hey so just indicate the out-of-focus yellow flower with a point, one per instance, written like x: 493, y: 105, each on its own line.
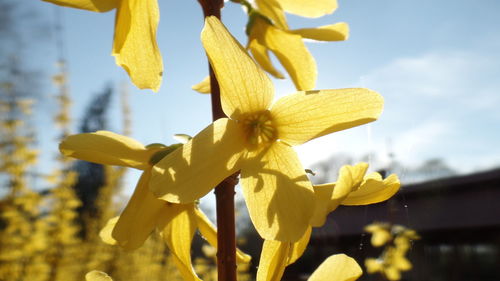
x: 393, y: 260
x: 144, y: 212
x: 390, y: 265
x: 271, y: 33
x: 351, y: 188
x: 337, y: 267
x: 381, y: 233
x: 257, y: 139
x: 134, y: 46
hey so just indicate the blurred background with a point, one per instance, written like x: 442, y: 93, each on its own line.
x: 435, y: 63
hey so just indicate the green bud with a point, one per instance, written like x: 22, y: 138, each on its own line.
x: 163, y: 152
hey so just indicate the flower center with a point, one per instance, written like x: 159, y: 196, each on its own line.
x: 259, y: 128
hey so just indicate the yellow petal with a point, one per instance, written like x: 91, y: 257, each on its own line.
x: 322, y: 197
x: 373, y: 191
x: 380, y: 233
x: 350, y: 178
x: 191, y: 171
x: 272, y: 10
x: 332, y: 32
x: 298, y: 248
x: 106, y: 148
x: 329, y: 196
x: 178, y: 234
x: 209, y: 233
x: 272, y: 182
x: 392, y: 273
x: 380, y: 238
x: 95, y: 275
x: 135, y: 47
x: 140, y: 217
x: 401, y: 262
x: 203, y: 87
x: 337, y: 267
x: 245, y: 88
x: 273, y: 260
x: 106, y: 231
x: 307, y: 115
x: 308, y: 8
x: 261, y: 56
x: 373, y: 265
x: 91, y: 5
x: 290, y: 51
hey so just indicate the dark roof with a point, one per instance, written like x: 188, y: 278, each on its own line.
x: 460, y: 202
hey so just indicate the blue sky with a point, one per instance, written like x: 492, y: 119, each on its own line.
x: 435, y: 62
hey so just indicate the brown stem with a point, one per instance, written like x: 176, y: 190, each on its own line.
x: 224, y: 192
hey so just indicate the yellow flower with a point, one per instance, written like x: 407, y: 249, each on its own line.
x: 134, y: 46
x: 393, y: 259
x: 390, y: 265
x: 144, y: 212
x: 271, y: 33
x: 404, y: 236
x: 257, y: 139
x: 352, y: 188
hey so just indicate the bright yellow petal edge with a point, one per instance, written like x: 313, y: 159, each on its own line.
x: 96, y: 275
x: 90, y: 5
x: 337, y: 267
x: 308, y: 8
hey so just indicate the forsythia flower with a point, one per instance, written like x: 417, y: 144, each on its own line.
x: 268, y: 31
x: 390, y: 265
x: 134, y: 46
x: 257, y: 139
x: 393, y: 260
x: 144, y: 212
x: 351, y: 188
x: 288, y: 45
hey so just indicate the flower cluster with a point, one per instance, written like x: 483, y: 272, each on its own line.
x: 398, y: 240
x: 256, y: 139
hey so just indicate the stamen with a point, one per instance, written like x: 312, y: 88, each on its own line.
x: 259, y: 128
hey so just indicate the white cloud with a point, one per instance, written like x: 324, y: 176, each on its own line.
x: 416, y: 144
x: 436, y: 105
x: 437, y: 75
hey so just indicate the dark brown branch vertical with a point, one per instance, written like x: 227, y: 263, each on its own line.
x: 224, y: 192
